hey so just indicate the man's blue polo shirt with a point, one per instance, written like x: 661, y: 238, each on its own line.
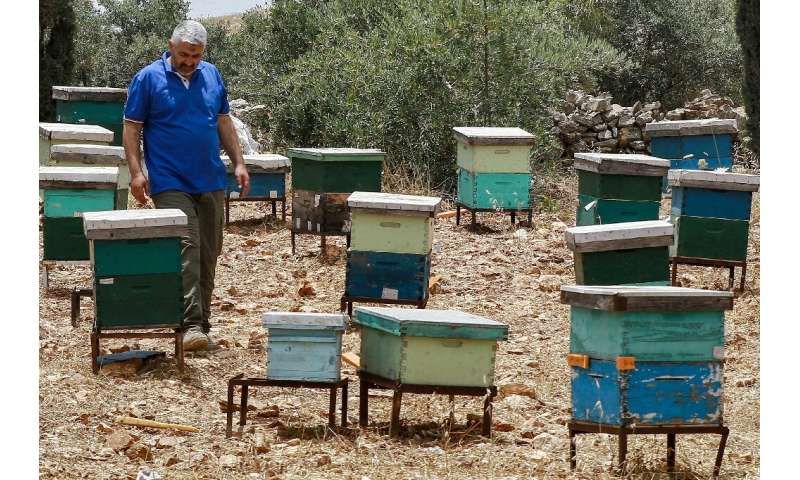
x: 181, y: 142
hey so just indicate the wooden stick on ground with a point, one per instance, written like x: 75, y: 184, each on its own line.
x: 140, y: 422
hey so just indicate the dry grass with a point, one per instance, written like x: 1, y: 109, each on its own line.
x: 495, y: 273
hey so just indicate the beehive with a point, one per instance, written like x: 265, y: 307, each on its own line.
x: 336, y: 170
x: 78, y: 155
x: 136, y: 258
x: 57, y: 133
x: 387, y: 276
x: 429, y: 347
x: 267, y: 175
x: 711, y: 213
x: 320, y: 213
x: 646, y: 355
x: 304, y: 346
x: 68, y: 192
x: 694, y: 144
x: 92, y: 105
x: 616, y: 188
x: 621, y: 253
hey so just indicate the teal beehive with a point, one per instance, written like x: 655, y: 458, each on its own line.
x: 80, y: 155
x: 91, y: 105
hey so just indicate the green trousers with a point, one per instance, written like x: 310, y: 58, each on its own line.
x: 199, y: 251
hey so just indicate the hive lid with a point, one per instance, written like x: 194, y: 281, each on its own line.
x: 141, y: 223
x: 619, y: 236
x: 493, y: 136
x: 645, y: 298
x: 73, y: 131
x: 394, y: 201
x: 100, y: 175
x: 266, y: 161
x: 89, y: 154
x: 713, y: 180
x: 337, y: 154
x: 95, y: 94
x: 622, y: 164
x: 304, y: 321
x: 430, y: 323
x: 679, y: 128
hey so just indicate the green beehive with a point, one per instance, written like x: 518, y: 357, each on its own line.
x: 390, y: 222
x: 57, y: 133
x: 336, y: 170
x: 621, y: 253
x: 93, y: 106
x: 68, y: 192
x: 136, y: 259
x: 493, y: 149
x: 701, y: 235
x: 429, y: 347
x: 77, y: 155
x: 615, y: 187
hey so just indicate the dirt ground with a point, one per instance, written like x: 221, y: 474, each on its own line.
x: 501, y: 273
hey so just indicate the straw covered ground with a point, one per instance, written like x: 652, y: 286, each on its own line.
x: 499, y: 272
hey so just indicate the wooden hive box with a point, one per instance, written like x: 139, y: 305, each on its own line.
x: 616, y: 188
x: 102, y: 106
x: 711, y: 213
x: 506, y: 191
x: 646, y: 355
x: 320, y: 213
x: 57, y: 133
x: 390, y: 222
x: 78, y: 155
x: 267, y: 175
x: 694, y: 144
x: 68, y: 192
x: 336, y: 170
x: 621, y: 253
x: 429, y: 347
x: 388, y: 276
x: 304, y: 346
x: 136, y: 258
x: 493, y: 149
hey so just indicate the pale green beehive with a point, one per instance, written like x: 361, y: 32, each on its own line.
x: 429, y: 347
x: 57, y: 133
x: 78, y: 155
x: 493, y: 149
x: 392, y: 223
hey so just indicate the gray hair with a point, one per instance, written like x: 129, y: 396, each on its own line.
x: 190, y: 31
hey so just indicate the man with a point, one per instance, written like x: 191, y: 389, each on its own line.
x: 180, y: 104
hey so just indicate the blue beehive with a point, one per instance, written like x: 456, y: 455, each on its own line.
x: 694, y: 144
x: 304, y: 346
x: 267, y: 175
x: 388, y: 276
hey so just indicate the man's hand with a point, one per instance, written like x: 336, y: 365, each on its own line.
x: 140, y: 188
x: 242, y: 179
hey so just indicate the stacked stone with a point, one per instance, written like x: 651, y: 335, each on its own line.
x: 709, y: 105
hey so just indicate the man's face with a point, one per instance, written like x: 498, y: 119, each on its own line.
x: 185, y: 57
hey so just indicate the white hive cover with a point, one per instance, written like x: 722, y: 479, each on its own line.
x: 262, y: 160
x: 79, y: 174
x: 393, y: 201
x: 304, y: 321
x: 617, y: 231
x: 70, y: 131
x: 714, y: 179
x: 140, y: 218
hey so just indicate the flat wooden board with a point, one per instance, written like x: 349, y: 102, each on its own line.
x: 493, y: 136
x: 265, y: 161
x: 49, y: 175
x: 141, y: 218
x: 450, y: 318
x: 679, y: 128
x: 393, y: 201
x: 304, y: 321
x: 619, y: 236
x: 90, y: 154
x: 621, y: 164
x: 714, y: 180
x: 645, y: 298
x: 165, y: 231
x: 70, y: 131
x: 96, y: 94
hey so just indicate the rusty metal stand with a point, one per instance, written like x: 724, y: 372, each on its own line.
x: 97, y: 334
x: 247, y: 382
x: 75, y: 303
x: 473, y: 211
x: 368, y: 381
x: 272, y: 200
x: 708, y: 262
x: 346, y: 302
x: 577, y: 428
x: 322, y: 240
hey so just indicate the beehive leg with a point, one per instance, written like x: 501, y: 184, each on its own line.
x: 674, y: 272
x: 274, y: 209
x: 474, y: 224
x: 179, y: 349
x: 75, y: 306
x: 293, y: 244
x: 95, y: 340
x: 332, y: 409
x: 744, y: 274
x: 720, y: 451
x: 283, y: 211
x: 458, y: 214
x: 731, y: 273
x: 363, y: 404
x: 513, y: 217
x: 530, y: 217
x: 229, y: 414
x: 572, y: 450
x: 486, y: 427
x: 670, y: 452
x: 344, y: 404
x: 243, y: 406
x: 394, y: 422
x: 623, y: 451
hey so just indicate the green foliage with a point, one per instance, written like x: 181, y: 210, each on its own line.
x: 747, y: 27
x: 56, y: 29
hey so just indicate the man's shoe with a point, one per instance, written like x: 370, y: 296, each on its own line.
x: 194, y: 339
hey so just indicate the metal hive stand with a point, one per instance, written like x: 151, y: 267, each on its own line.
x: 272, y: 200
x: 708, y: 262
x: 473, y: 212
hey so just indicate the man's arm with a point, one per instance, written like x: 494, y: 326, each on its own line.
x: 131, y: 135
x: 230, y: 143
